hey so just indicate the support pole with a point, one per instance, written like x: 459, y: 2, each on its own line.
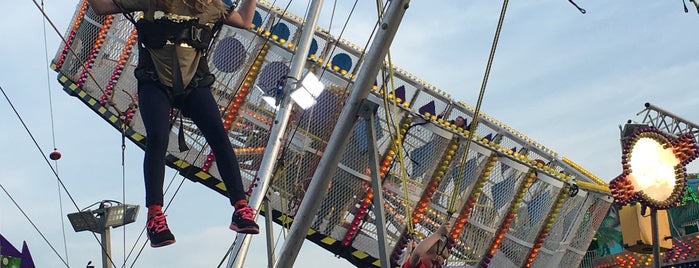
x: 368, y: 110
x: 242, y: 241
x: 269, y: 228
x: 656, y: 237
x: 339, y: 138
x: 107, y: 244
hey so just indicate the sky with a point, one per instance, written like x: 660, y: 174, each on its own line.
x: 564, y: 79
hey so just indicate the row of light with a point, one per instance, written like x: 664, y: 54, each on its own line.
x: 584, y: 172
x: 553, y: 215
x: 505, y: 226
x: 622, y: 188
x: 418, y: 213
x: 383, y: 169
x: 472, y: 200
x: 289, y: 45
x: 116, y: 74
x: 249, y: 150
x: 683, y: 249
x: 330, y: 66
x: 95, y: 49
x: 71, y: 36
x: 511, y: 130
x: 233, y: 110
x: 392, y: 97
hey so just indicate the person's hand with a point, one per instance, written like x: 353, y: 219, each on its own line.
x: 444, y: 228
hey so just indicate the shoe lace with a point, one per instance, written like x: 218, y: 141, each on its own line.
x: 158, y: 223
x: 246, y: 213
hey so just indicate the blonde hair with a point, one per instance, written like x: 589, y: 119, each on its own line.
x: 195, y: 6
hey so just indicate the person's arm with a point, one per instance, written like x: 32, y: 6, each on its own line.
x: 424, y: 246
x: 104, y: 7
x: 242, y: 18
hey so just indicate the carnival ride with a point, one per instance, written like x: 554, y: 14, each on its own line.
x: 513, y: 202
x: 680, y: 247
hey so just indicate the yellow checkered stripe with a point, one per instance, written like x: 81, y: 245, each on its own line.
x: 353, y: 255
x: 189, y: 171
x: 196, y: 174
x: 72, y: 89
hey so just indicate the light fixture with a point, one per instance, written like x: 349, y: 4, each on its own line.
x: 103, y: 217
x: 268, y: 97
x: 307, y: 92
x: 100, y: 220
x: 654, y: 170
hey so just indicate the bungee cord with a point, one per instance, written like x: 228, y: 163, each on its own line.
x: 479, y: 102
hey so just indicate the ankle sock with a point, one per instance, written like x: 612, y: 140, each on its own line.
x: 240, y: 203
x: 154, y: 209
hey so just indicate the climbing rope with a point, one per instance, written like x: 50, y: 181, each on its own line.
x: 393, y: 126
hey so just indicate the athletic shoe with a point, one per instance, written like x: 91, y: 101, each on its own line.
x: 158, y: 232
x: 243, y: 221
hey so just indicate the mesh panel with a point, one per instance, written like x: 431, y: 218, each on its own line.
x: 531, y: 215
x: 543, y: 259
x: 594, y: 214
x: 570, y: 211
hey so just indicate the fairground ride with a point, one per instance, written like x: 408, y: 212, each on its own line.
x: 513, y: 202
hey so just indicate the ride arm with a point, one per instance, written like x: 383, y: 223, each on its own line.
x: 242, y: 18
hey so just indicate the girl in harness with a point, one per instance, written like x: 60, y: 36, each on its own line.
x: 174, y: 36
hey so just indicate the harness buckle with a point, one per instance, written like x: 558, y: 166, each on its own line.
x: 196, y: 33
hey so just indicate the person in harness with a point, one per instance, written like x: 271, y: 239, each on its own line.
x: 174, y: 37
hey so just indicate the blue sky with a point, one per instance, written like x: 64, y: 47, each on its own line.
x: 565, y: 79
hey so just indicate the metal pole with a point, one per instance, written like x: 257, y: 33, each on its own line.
x: 107, y: 251
x: 656, y: 237
x: 242, y: 241
x: 269, y: 227
x: 368, y: 111
x: 339, y: 138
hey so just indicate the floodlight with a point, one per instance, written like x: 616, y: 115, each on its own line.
x: 308, y: 90
x: 116, y: 216
x: 100, y: 220
x: 84, y: 221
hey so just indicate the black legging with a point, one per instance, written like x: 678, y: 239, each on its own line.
x: 201, y: 107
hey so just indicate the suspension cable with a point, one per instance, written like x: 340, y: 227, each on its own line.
x: 55, y: 172
x: 33, y: 225
x: 476, y: 112
x: 53, y: 134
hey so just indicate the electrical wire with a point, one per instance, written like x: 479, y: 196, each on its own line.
x: 55, y: 172
x: 34, y: 225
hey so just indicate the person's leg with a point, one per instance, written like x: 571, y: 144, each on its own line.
x: 201, y: 107
x: 154, y: 108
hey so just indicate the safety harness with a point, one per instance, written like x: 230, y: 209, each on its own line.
x: 156, y: 33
